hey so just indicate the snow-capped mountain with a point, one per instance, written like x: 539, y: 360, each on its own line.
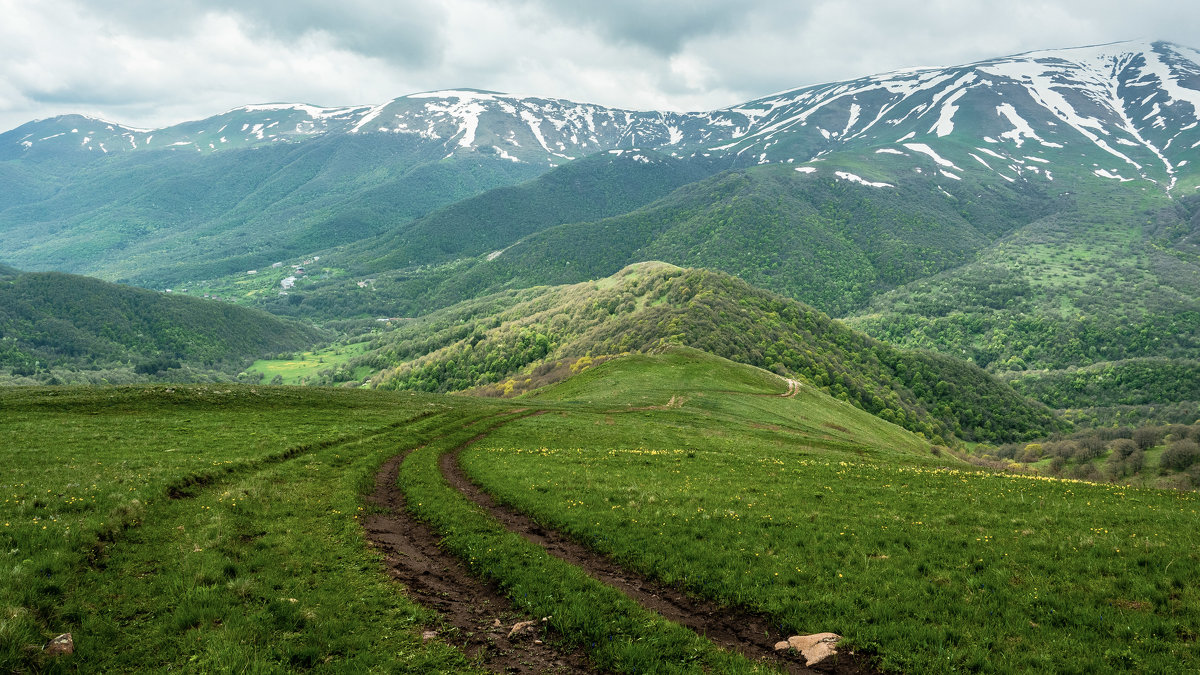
x: 1120, y: 111
x: 1127, y: 109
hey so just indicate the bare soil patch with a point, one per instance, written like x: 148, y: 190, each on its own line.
x: 477, y: 615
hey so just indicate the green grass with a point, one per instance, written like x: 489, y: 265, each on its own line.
x: 935, y: 568
x: 618, y: 634
x: 308, y: 365
x: 215, y: 528
x: 262, y: 564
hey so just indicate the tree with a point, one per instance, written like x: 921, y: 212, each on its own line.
x: 1180, y: 455
x: 1135, y: 462
x: 1146, y: 437
x: 1122, y: 448
x: 1056, y: 466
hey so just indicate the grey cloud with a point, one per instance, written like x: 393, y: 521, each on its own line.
x: 131, y: 56
x: 409, y: 33
x: 403, y: 32
x: 663, y: 26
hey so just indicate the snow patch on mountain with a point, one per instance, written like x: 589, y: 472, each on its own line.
x: 1104, y: 173
x: 366, y: 118
x: 926, y: 150
x: 846, y: 175
x: 1021, y: 129
x: 945, y: 124
x: 981, y: 161
x: 1157, y: 67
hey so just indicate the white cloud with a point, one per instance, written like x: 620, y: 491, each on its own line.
x: 152, y: 63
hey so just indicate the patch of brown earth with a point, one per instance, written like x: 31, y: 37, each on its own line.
x: 479, y: 616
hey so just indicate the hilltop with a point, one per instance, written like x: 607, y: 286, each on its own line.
x: 517, y: 338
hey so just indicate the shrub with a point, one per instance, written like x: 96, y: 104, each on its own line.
x: 1135, y: 462
x: 1180, y: 455
x: 1122, y: 448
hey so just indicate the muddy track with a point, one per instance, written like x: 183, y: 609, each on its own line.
x: 750, y: 634
x: 437, y: 580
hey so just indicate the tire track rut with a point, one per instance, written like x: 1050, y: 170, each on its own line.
x: 750, y: 634
x: 438, y: 580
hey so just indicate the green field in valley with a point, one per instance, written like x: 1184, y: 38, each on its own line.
x: 301, y: 367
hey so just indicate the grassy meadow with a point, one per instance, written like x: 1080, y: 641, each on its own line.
x: 207, y: 528
x: 932, y: 566
x: 302, y: 367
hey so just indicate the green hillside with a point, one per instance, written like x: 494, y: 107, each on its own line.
x: 184, y: 215
x: 600, y: 185
x: 66, y: 327
x: 521, y: 334
x: 814, y: 237
x: 1108, y: 283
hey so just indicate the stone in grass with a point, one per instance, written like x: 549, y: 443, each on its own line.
x: 526, y: 629
x: 63, y: 644
x: 523, y: 629
x: 428, y: 635
x: 815, y: 648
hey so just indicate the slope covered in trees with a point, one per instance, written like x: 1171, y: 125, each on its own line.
x: 1104, y: 295
x: 598, y: 186
x: 58, y: 326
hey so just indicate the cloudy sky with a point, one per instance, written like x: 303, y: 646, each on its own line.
x: 152, y: 63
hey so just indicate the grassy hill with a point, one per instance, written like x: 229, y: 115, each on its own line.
x: 678, y: 376
x: 521, y: 335
x: 67, y: 327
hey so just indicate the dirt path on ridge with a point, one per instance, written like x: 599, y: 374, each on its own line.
x: 436, y: 579
x: 793, y: 388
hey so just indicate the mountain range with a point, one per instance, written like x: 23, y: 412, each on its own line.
x: 1129, y: 106
x: 1035, y: 214
x: 323, y: 176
